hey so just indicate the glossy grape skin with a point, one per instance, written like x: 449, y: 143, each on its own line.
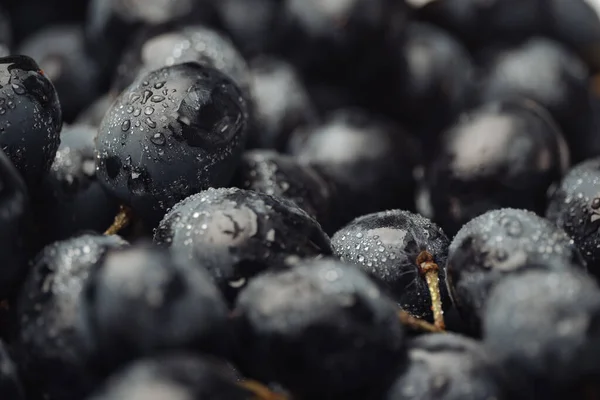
x: 573, y: 206
x: 543, y: 327
x: 450, y: 367
x: 322, y: 329
x: 433, y: 74
x: 368, y: 159
x: 30, y: 117
x: 172, y: 133
x: 168, y: 305
x: 50, y: 346
x: 281, y: 103
x: 502, y: 154
x: 546, y: 72
x: 238, y: 234
x: 387, y: 245
x: 498, y: 244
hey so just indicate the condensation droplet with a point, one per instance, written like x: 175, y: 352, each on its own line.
x: 147, y: 95
x: 150, y: 123
x: 158, y: 139
x: 18, y: 89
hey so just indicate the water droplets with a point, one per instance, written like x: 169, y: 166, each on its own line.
x: 150, y: 123
x: 158, y: 139
x: 133, y: 97
x: 18, y: 89
x: 146, y: 96
x: 149, y: 110
x: 126, y: 125
x: 237, y: 283
x: 89, y: 167
x: 513, y: 226
x: 138, y: 181
x: 157, y: 98
x: 501, y: 255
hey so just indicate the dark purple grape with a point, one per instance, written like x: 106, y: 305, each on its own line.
x: 141, y: 301
x: 281, y: 103
x: 433, y: 75
x: 368, y: 159
x: 322, y: 329
x: 50, y: 347
x: 174, y: 132
x: 450, y: 367
x: 30, y: 117
x: 238, y: 234
x: 503, y: 154
x: 544, y: 328
x: 498, y: 244
x: 548, y: 73
x: 388, y: 246
x: 574, y: 206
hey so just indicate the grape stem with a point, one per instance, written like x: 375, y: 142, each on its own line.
x: 260, y: 391
x: 417, y: 323
x: 430, y: 271
x: 122, y: 220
